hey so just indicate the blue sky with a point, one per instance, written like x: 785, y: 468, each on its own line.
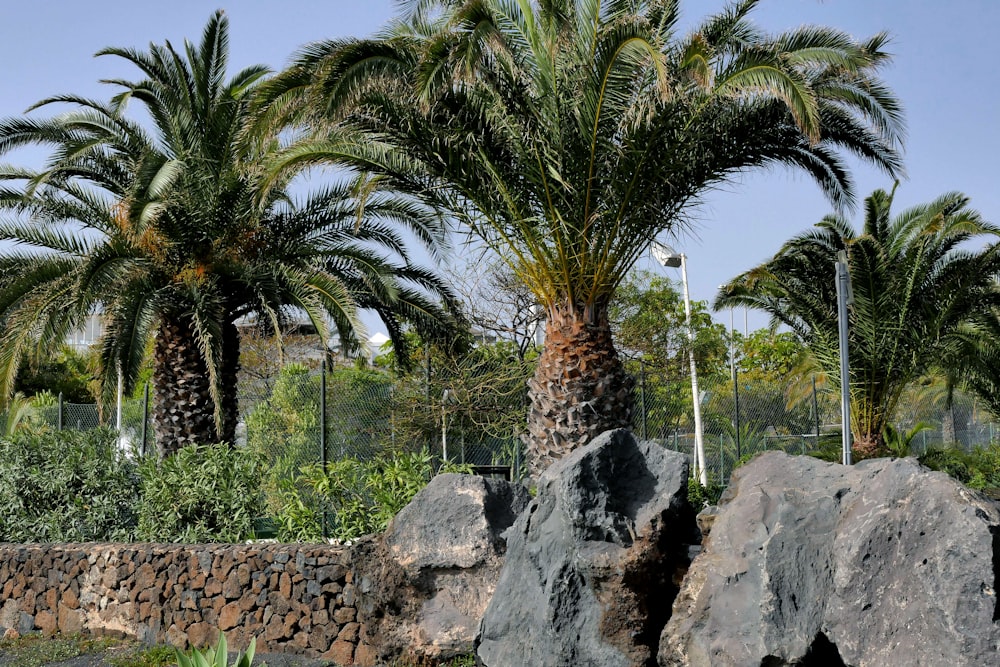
x: 944, y: 71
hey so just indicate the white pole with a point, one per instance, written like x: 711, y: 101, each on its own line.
x: 118, y: 403
x: 444, y: 426
x: 699, y: 445
x: 844, y: 297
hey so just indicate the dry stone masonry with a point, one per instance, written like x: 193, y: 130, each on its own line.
x: 292, y: 598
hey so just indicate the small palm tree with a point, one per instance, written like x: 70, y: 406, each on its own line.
x: 567, y: 135
x: 917, y: 285
x: 179, y: 231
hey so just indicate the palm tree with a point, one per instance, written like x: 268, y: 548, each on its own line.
x: 179, y: 231
x: 918, y: 287
x: 568, y: 134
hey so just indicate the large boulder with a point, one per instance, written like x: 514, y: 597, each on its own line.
x: 424, y: 584
x: 813, y: 563
x: 591, y: 565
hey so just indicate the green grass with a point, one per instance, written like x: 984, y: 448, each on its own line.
x: 36, y: 650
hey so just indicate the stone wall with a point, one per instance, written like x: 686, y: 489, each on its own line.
x: 292, y: 598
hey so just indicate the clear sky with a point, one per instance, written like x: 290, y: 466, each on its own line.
x: 944, y: 71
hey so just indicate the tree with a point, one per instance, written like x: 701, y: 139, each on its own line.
x: 567, y: 135
x: 180, y: 231
x: 917, y: 287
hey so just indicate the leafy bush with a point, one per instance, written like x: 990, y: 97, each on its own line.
x: 977, y: 469
x: 702, y: 496
x: 361, y: 496
x: 203, y: 493
x: 68, y: 486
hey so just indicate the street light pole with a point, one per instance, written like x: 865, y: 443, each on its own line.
x: 667, y: 256
x: 699, y: 443
x: 845, y: 297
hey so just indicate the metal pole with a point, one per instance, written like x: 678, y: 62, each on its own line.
x: 59, y: 413
x: 699, y: 458
x: 736, y: 385
x: 322, y: 430
x: 118, y: 403
x: 843, y: 298
x: 322, y: 416
x: 736, y: 400
x: 145, y: 418
x: 642, y: 396
x: 444, y: 427
x: 815, y: 409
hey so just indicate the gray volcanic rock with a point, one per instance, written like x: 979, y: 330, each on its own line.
x: 423, y: 586
x: 591, y: 565
x: 813, y: 563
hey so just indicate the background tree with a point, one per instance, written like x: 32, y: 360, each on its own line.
x: 917, y: 282
x: 568, y: 135
x: 650, y: 329
x: 179, y: 232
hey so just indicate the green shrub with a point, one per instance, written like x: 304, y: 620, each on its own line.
x: 702, y: 496
x: 203, y: 493
x: 360, y: 496
x: 977, y: 469
x: 68, y: 486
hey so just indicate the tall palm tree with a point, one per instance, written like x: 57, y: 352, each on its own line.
x: 569, y: 134
x: 178, y: 231
x: 918, y: 283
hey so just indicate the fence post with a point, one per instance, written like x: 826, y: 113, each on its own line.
x: 815, y: 410
x: 145, y: 418
x: 736, y: 405
x: 322, y: 430
x: 642, y: 396
x: 59, y: 413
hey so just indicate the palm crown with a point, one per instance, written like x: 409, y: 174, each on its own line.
x: 919, y: 293
x: 568, y: 134
x: 181, y: 231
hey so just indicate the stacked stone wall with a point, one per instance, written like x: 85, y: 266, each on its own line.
x: 292, y: 598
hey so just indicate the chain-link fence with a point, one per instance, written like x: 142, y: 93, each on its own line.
x: 474, y: 409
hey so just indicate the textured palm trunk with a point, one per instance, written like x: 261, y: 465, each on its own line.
x: 580, y: 388
x: 229, y: 376
x: 869, y: 445
x: 183, y: 410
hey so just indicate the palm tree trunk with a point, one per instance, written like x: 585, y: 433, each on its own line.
x: 229, y: 378
x: 580, y: 388
x: 183, y: 410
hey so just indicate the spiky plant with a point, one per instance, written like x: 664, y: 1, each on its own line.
x: 178, y: 231
x: 919, y: 283
x: 568, y: 134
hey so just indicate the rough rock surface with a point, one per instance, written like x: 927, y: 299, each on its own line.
x: 813, y: 563
x: 590, y: 567
x: 425, y: 583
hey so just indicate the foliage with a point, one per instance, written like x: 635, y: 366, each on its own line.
x: 67, y: 372
x: 217, y: 656
x: 177, y: 223
x: 568, y: 135
x: 700, y: 496
x: 37, y: 650
x: 203, y: 493
x: 916, y: 288
x: 978, y: 468
x: 148, y: 656
x: 649, y: 321
x: 900, y: 443
x: 68, y: 486
x: 361, y: 496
